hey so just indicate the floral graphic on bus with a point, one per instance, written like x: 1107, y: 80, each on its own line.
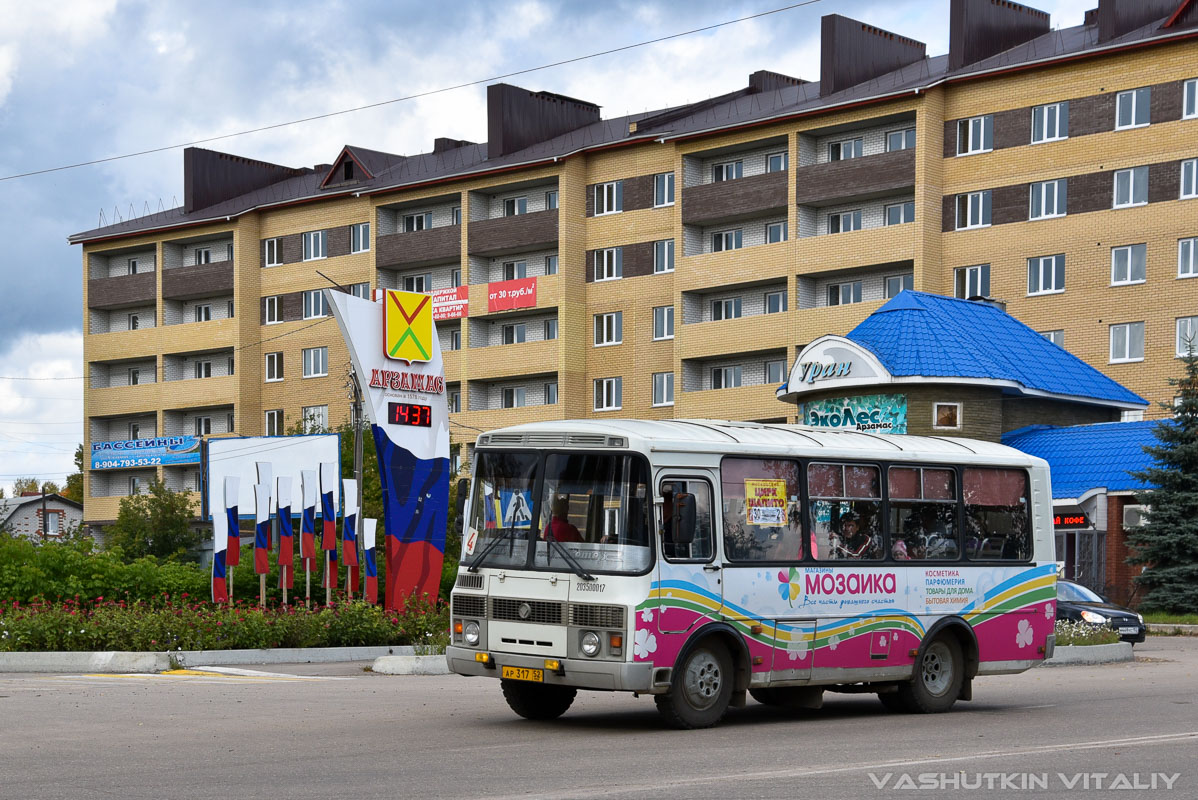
x: 1023, y: 636
x: 1048, y: 611
x: 647, y: 615
x: 644, y: 644
x: 789, y: 586
x: 797, y: 649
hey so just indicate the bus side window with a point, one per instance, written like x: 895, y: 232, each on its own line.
x: 998, y: 525
x: 846, y: 507
x: 702, y: 547
x: 762, y: 521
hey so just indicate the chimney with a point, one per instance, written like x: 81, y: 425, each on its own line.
x: 518, y: 118
x: 1117, y: 17
x: 765, y: 81
x: 852, y: 52
x: 978, y: 29
x: 210, y: 177
x: 442, y: 143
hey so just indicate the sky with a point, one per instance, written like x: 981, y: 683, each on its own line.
x: 94, y: 79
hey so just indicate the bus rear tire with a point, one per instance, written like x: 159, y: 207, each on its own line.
x: 701, y: 689
x: 936, y: 685
x: 537, y: 700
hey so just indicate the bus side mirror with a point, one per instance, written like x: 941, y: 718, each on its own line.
x: 460, y: 500
x: 684, y: 518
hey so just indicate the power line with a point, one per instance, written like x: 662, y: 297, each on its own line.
x: 416, y: 96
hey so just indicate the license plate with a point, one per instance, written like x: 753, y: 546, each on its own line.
x: 523, y: 674
x: 1129, y: 630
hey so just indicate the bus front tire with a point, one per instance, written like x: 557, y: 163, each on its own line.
x: 936, y: 685
x: 701, y: 689
x: 537, y: 700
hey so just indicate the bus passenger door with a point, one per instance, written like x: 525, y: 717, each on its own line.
x: 686, y: 591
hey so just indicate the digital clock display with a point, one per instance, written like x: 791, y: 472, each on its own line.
x: 409, y: 414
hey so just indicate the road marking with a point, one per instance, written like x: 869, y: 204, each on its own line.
x: 801, y: 772
x: 223, y: 675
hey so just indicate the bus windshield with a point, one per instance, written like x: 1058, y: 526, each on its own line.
x: 540, y: 511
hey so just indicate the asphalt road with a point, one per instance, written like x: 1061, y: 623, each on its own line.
x: 339, y: 731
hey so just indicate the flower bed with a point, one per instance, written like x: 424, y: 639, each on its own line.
x: 1075, y: 634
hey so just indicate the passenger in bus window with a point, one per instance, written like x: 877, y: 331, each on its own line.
x: 559, y: 527
x: 854, y: 542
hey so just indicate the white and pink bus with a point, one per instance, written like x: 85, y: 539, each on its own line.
x: 702, y: 561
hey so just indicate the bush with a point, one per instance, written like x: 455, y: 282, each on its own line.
x: 1070, y: 634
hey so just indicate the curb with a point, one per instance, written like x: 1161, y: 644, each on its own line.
x: 125, y: 661
x: 83, y: 661
x: 1169, y: 629
x: 411, y: 665
x: 1085, y: 655
x: 288, y: 655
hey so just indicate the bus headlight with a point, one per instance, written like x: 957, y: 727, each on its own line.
x: 470, y: 633
x: 590, y: 644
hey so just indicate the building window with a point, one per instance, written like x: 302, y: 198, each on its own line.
x: 274, y: 367
x: 314, y: 305
x: 421, y: 284
x: 775, y: 232
x: 663, y: 388
x: 455, y: 275
x: 972, y: 281
x: 515, y: 333
x: 134, y: 380
x: 50, y: 522
x: 359, y: 237
x: 663, y: 322
x: 1132, y: 108
x: 973, y: 210
x: 203, y: 426
x: 202, y: 369
x: 202, y: 313
x: 663, y: 189
x: 134, y: 484
x: 1048, y: 199
x: 1056, y: 337
x: 844, y: 221
x: 1129, y: 264
x: 609, y: 264
x: 274, y: 252
x: 1050, y: 122
x: 203, y: 255
x: 455, y: 402
x: 417, y: 222
x: 900, y: 213
x: 229, y: 251
x: 551, y: 393
x: 316, y: 362
x: 551, y: 200
x: 134, y: 430
x: 315, y: 418
x: 1189, y: 179
x: 1189, y: 103
x: 550, y: 329
x: 727, y: 240
x: 1187, y: 257
x: 843, y: 294
x: 134, y: 321
x: 1046, y: 274
x: 609, y: 328
x: 231, y: 365
x: 315, y: 245
x: 229, y: 308
x: 946, y: 416
x: 274, y: 422
x: 776, y: 162
x: 550, y: 265
x: 1127, y: 342
x: 455, y: 339
x: 1187, y: 336
x: 845, y: 149
x: 360, y: 290
x: 514, y: 397
x: 775, y: 371
x: 609, y: 198
x: 1131, y: 187
x: 975, y: 135
x: 726, y: 377
x: 274, y: 309
x: 609, y: 394
x: 131, y: 267
x: 515, y: 206
x: 663, y: 255
x: 725, y: 309
x: 727, y: 171
x: 229, y: 426
x: 898, y: 283
x: 900, y: 140
x: 775, y: 302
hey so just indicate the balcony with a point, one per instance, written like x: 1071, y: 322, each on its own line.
x: 419, y: 248
x: 451, y: 360
x: 123, y: 400
x: 490, y: 419
x: 122, y: 345
x: 199, y: 392
x: 504, y: 361
x: 505, y: 235
x: 731, y: 201
x: 198, y: 280
x: 854, y: 179
x: 701, y: 340
x: 743, y: 402
x: 122, y: 291
x: 771, y: 262
x: 215, y: 334
x: 835, y: 251
x: 839, y: 320
x: 549, y: 295
x: 101, y: 509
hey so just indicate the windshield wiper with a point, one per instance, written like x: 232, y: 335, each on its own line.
x: 575, y: 567
x: 505, y: 535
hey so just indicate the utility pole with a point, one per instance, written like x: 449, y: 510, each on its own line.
x: 45, y: 518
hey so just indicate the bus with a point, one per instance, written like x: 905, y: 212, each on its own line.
x: 703, y: 562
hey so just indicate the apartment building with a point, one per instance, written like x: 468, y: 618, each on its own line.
x: 673, y: 263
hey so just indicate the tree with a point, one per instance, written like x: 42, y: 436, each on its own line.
x: 1167, y: 543
x: 74, y: 487
x: 157, y: 523
x: 24, y: 486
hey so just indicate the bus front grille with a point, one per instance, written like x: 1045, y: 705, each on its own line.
x: 546, y: 612
x: 466, y: 605
x: 470, y: 581
x: 593, y: 616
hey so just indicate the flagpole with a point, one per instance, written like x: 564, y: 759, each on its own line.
x: 262, y: 590
x: 231, y: 585
x: 308, y: 582
x: 328, y: 590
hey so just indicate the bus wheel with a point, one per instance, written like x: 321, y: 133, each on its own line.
x: 701, y: 689
x: 937, y: 682
x: 537, y: 700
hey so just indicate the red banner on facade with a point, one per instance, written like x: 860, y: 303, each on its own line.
x: 451, y: 303
x: 507, y: 295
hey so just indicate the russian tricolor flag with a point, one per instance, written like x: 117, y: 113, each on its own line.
x: 371, y: 591
x: 308, y: 492
x: 349, y: 527
x: 286, y: 534
x: 220, y: 540
x: 328, y: 508
x: 232, y: 522
x: 262, y: 529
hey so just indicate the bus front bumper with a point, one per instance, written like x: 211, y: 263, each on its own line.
x: 580, y: 673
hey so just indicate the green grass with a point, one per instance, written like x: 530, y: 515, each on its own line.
x: 1161, y: 618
